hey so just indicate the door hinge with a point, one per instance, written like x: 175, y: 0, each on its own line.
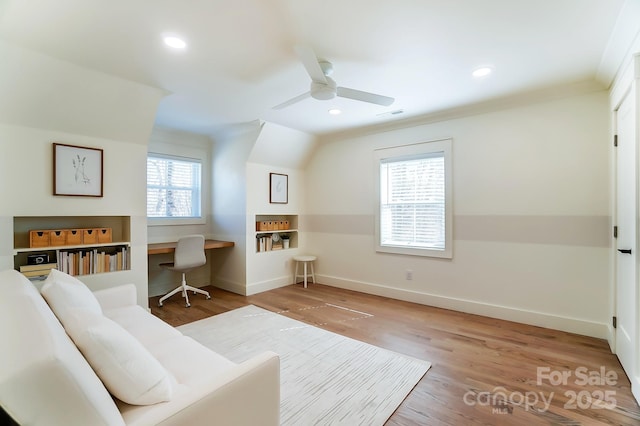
x: 615, y: 322
x: 615, y: 232
x: 615, y: 140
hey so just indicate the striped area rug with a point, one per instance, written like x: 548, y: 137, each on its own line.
x: 326, y: 378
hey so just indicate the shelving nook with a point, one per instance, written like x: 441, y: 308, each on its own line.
x: 269, y: 225
x: 71, y: 254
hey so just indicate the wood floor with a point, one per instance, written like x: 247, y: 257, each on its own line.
x: 484, y: 371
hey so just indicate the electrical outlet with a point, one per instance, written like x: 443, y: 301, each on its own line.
x: 409, y: 274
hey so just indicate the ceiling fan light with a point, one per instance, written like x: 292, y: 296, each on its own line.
x: 323, y: 91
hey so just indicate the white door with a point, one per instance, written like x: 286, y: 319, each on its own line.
x: 626, y: 290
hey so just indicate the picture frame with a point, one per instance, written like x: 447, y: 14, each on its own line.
x: 77, y: 171
x: 278, y: 188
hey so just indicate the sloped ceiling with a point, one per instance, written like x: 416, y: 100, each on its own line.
x: 281, y: 146
x: 240, y: 58
x: 39, y: 91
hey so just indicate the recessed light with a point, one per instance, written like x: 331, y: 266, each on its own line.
x: 334, y: 111
x: 482, y: 72
x: 175, y: 42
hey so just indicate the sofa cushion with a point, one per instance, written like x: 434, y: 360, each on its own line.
x: 63, y: 292
x: 147, y: 329
x: 123, y: 364
x: 44, y: 379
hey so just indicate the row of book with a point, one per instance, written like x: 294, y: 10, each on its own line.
x: 88, y: 262
x: 83, y: 262
x: 266, y: 243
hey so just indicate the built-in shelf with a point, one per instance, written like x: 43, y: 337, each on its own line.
x: 270, y: 240
x: 95, y: 258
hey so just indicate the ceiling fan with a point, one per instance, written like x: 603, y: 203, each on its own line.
x: 324, y: 87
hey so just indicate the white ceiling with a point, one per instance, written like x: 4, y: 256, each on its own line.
x: 240, y: 60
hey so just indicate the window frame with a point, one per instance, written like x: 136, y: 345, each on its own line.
x: 408, y: 152
x: 178, y: 220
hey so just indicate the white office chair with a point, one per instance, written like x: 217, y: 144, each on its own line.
x: 189, y: 255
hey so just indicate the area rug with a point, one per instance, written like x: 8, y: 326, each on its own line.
x: 325, y: 378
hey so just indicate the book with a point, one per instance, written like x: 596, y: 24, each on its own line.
x: 32, y: 274
x: 40, y: 267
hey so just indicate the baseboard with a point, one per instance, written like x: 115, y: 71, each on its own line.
x: 254, y: 288
x: 261, y: 286
x: 231, y: 286
x: 611, y: 338
x: 571, y: 325
x: 635, y: 388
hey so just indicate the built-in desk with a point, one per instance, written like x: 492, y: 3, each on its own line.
x: 160, y: 283
x: 160, y: 248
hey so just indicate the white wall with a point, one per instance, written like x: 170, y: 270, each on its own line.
x: 190, y: 145
x: 45, y: 100
x: 243, y: 157
x: 26, y: 170
x: 286, y: 151
x: 531, y: 216
x: 230, y: 154
x: 273, y: 269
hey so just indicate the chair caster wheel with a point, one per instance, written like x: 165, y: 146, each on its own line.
x: 160, y: 305
x: 208, y: 297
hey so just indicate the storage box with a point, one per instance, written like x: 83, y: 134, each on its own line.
x: 58, y: 237
x: 104, y: 235
x: 285, y: 224
x: 90, y: 236
x: 38, y: 238
x: 74, y: 237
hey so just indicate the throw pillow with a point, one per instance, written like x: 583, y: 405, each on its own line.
x: 125, y: 366
x: 63, y: 292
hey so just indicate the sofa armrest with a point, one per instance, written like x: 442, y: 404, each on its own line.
x: 246, y: 395
x: 117, y: 297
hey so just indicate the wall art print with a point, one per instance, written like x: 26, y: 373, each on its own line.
x: 278, y: 188
x: 77, y: 171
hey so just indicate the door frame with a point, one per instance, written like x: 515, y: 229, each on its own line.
x: 627, y: 85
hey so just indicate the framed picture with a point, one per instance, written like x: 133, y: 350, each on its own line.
x: 278, y: 188
x: 77, y: 171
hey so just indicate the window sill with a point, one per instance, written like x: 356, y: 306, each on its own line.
x: 442, y: 254
x: 163, y: 221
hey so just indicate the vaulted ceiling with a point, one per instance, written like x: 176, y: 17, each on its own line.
x: 240, y: 58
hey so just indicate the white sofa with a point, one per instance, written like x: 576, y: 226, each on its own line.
x: 46, y: 380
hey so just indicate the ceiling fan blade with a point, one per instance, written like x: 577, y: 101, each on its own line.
x: 359, y: 95
x: 293, y: 100
x: 310, y: 62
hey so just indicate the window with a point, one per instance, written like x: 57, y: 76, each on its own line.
x: 413, y: 214
x: 173, y: 187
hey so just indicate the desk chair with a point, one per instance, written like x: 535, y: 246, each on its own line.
x: 189, y: 255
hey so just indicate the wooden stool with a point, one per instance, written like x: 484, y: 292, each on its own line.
x: 305, y: 259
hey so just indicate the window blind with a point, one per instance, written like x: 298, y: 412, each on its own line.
x: 173, y: 187
x: 412, y: 207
